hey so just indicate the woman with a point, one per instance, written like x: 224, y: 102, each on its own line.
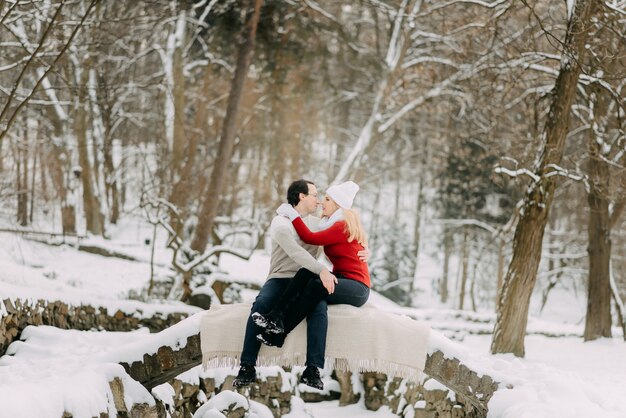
x: 342, y: 236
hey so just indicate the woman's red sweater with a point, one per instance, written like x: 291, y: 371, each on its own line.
x: 340, y: 252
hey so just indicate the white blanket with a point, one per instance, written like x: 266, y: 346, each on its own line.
x: 359, y: 339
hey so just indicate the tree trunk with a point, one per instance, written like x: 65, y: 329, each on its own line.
x: 464, y: 270
x: 278, y: 126
x: 23, y: 147
x: 178, y: 92
x: 510, y: 328
x: 1, y: 156
x: 227, y: 138
x: 123, y: 183
x: 375, y: 213
x: 25, y: 170
x: 42, y: 173
x: 399, y: 188
x: 90, y: 202
x: 34, y: 177
x: 20, y: 182
x: 110, y: 180
x: 500, y: 268
x: 598, y: 318
x: 68, y: 219
x: 181, y: 192
x: 447, y: 249
x: 419, y: 204
x: 57, y: 164
x: 417, y: 227
x: 342, y: 134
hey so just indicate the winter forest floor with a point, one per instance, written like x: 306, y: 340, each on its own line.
x: 62, y: 370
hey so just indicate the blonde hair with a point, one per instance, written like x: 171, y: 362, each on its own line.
x: 354, y: 227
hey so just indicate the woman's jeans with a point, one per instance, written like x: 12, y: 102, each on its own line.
x: 349, y: 292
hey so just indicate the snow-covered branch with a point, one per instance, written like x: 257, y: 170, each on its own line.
x: 555, y: 170
x: 464, y: 72
x: 213, y: 251
x: 421, y: 37
x: 485, y: 4
x: 40, y: 80
x: 517, y: 173
x: 394, y: 50
x: 533, y: 90
x: 313, y: 5
x: 463, y: 222
x: 616, y: 6
x: 421, y: 60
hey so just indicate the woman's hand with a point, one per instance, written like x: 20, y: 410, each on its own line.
x: 287, y: 211
x: 364, y: 254
x: 328, y: 280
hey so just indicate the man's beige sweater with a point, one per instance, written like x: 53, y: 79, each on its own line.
x: 289, y: 253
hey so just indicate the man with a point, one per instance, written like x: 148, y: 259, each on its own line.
x: 289, y: 254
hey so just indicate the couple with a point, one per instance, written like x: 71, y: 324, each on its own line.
x: 298, y: 285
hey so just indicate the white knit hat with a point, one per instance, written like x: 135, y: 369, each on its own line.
x: 343, y: 194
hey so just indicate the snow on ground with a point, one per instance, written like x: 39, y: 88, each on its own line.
x: 332, y: 409
x: 56, y: 370
x: 32, y: 271
x: 559, y: 377
x: 59, y: 371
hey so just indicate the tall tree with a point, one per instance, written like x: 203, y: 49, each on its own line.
x: 598, y: 318
x: 91, y: 204
x: 211, y: 197
x: 605, y: 144
x: 512, y: 316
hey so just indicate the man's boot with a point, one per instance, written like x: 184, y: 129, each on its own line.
x: 246, y: 375
x: 311, y: 377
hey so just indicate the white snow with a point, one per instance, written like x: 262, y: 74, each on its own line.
x: 332, y: 409
x: 571, y: 5
x: 59, y: 370
x: 223, y: 401
x: 32, y: 271
x: 51, y: 370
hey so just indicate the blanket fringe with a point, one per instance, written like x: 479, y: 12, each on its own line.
x: 219, y: 359
x: 379, y: 366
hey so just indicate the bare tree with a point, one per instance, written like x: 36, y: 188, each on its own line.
x: 521, y: 276
x: 605, y: 143
x: 7, y: 117
x: 227, y: 138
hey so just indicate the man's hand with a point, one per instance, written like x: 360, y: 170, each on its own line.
x: 328, y: 280
x: 364, y: 254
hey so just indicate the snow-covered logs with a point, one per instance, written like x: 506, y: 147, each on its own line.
x: 15, y: 315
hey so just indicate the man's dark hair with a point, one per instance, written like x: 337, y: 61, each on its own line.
x: 294, y: 190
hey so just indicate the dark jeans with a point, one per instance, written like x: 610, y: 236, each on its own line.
x: 347, y: 291
x: 317, y: 325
